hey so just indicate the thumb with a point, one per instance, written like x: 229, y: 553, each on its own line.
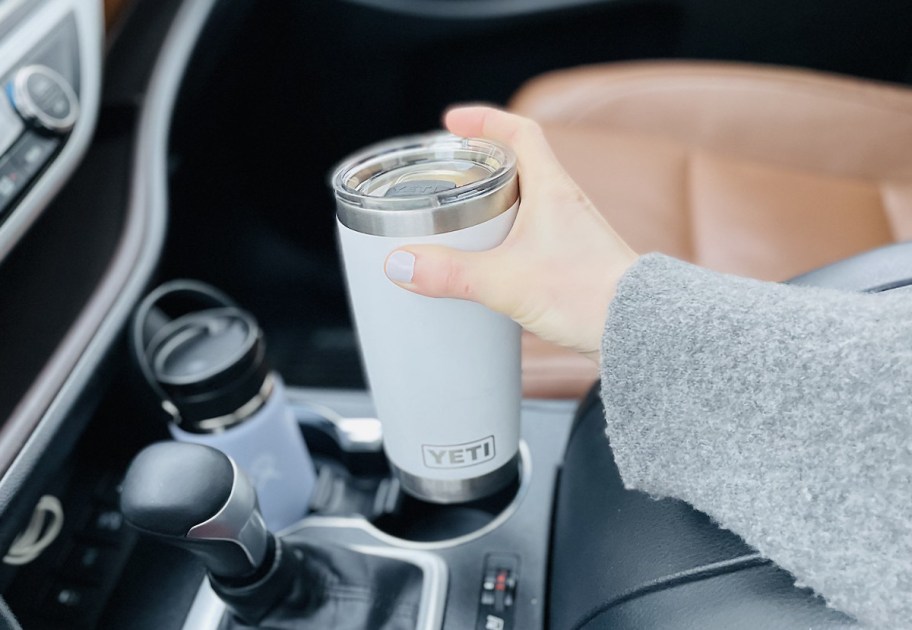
x: 437, y: 271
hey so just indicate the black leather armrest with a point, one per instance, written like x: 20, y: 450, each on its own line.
x: 880, y: 269
x: 625, y: 561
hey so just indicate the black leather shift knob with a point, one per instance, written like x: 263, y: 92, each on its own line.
x: 195, y: 497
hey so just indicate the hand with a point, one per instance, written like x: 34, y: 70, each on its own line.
x: 558, y: 268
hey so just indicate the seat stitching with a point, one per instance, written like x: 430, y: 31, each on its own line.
x: 717, y: 154
x: 611, y: 89
x: 696, y: 574
x: 886, y: 209
x: 617, y: 95
x: 689, y: 206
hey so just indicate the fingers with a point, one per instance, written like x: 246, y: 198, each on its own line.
x: 438, y: 272
x: 536, y: 160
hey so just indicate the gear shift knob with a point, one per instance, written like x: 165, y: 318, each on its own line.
x: 197, y: 498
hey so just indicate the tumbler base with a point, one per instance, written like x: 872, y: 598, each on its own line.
x: 458, y: 490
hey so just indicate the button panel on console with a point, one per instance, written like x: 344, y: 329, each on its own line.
x: 498, y: 592
x: 22, y: 163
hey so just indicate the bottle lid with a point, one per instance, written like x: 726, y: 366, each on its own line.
x: 212, y: 366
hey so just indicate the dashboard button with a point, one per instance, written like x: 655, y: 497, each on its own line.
x: 107, y: 489
x: 11, y: 126
x: 27, y: 157
x: 69, y: 602
x: 44, y: 99
x: 32, y: 152
x: 12, y: 180
x: 106, y: 524
x: 88, y: 562
x: 8, y: 186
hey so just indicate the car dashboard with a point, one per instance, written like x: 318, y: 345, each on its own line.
x: 53, y: 51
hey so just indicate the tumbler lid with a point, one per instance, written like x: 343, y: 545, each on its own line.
x: 423, y: 185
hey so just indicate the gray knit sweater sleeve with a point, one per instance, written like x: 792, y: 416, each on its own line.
x: 785, y: 413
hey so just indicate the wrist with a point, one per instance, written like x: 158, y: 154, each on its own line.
x: 615, y: 271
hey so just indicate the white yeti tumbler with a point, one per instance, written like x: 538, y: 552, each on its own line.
x: 444, y: 373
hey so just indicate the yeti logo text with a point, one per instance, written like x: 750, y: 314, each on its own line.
x: 458, y: 455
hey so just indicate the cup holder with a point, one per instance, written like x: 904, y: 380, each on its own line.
x: 422, y: 521
x: 359, y: 482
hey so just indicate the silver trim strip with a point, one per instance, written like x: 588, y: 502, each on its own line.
x: 207, y: 609
x: 72, y: 365
x: 239, y: 521
x: 11, y: 125
x: 353, y: 435
x: 9, y: 7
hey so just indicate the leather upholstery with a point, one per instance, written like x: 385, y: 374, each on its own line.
x: 621, y: 560
x: 755, y: 171
x: 112, y: 10
x: 549, y: 371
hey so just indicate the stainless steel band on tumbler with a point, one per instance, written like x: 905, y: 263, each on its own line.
x: 410, y: 186
x: 459, y: 490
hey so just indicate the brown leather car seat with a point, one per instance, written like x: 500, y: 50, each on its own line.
x: 756, y: 171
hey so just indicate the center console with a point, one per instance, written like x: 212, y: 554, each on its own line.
x: 483, y: 564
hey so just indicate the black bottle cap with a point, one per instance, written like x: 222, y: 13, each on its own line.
x: 210, y: 363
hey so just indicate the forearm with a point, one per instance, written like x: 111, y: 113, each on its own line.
x: 782, y: 412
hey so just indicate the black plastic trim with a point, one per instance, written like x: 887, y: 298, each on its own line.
x: 875, y: 271
x: 475, y: 9
x: 8, y: 620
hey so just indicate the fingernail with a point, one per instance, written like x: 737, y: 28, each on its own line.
x: 400, y: 266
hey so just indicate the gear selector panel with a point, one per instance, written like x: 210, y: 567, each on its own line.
x: 498, y: 592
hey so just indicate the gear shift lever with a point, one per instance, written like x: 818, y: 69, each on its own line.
x: 195, y: 497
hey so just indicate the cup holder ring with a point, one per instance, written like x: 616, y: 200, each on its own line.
x: 426, y: 525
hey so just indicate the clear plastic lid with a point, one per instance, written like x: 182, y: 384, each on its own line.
x: 425, y: 185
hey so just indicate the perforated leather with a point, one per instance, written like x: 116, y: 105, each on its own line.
x: 760, y: 172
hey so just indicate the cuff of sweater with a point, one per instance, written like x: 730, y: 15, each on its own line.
x: 648, y: 350
x: 693, y: 363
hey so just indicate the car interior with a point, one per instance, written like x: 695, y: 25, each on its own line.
x: 162, y: 157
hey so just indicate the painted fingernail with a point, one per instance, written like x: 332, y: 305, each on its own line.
x: 400, y: 266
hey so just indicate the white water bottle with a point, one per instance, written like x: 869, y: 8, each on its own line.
x: 209, y: 368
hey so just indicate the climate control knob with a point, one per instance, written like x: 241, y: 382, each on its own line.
x: 44, y: 99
